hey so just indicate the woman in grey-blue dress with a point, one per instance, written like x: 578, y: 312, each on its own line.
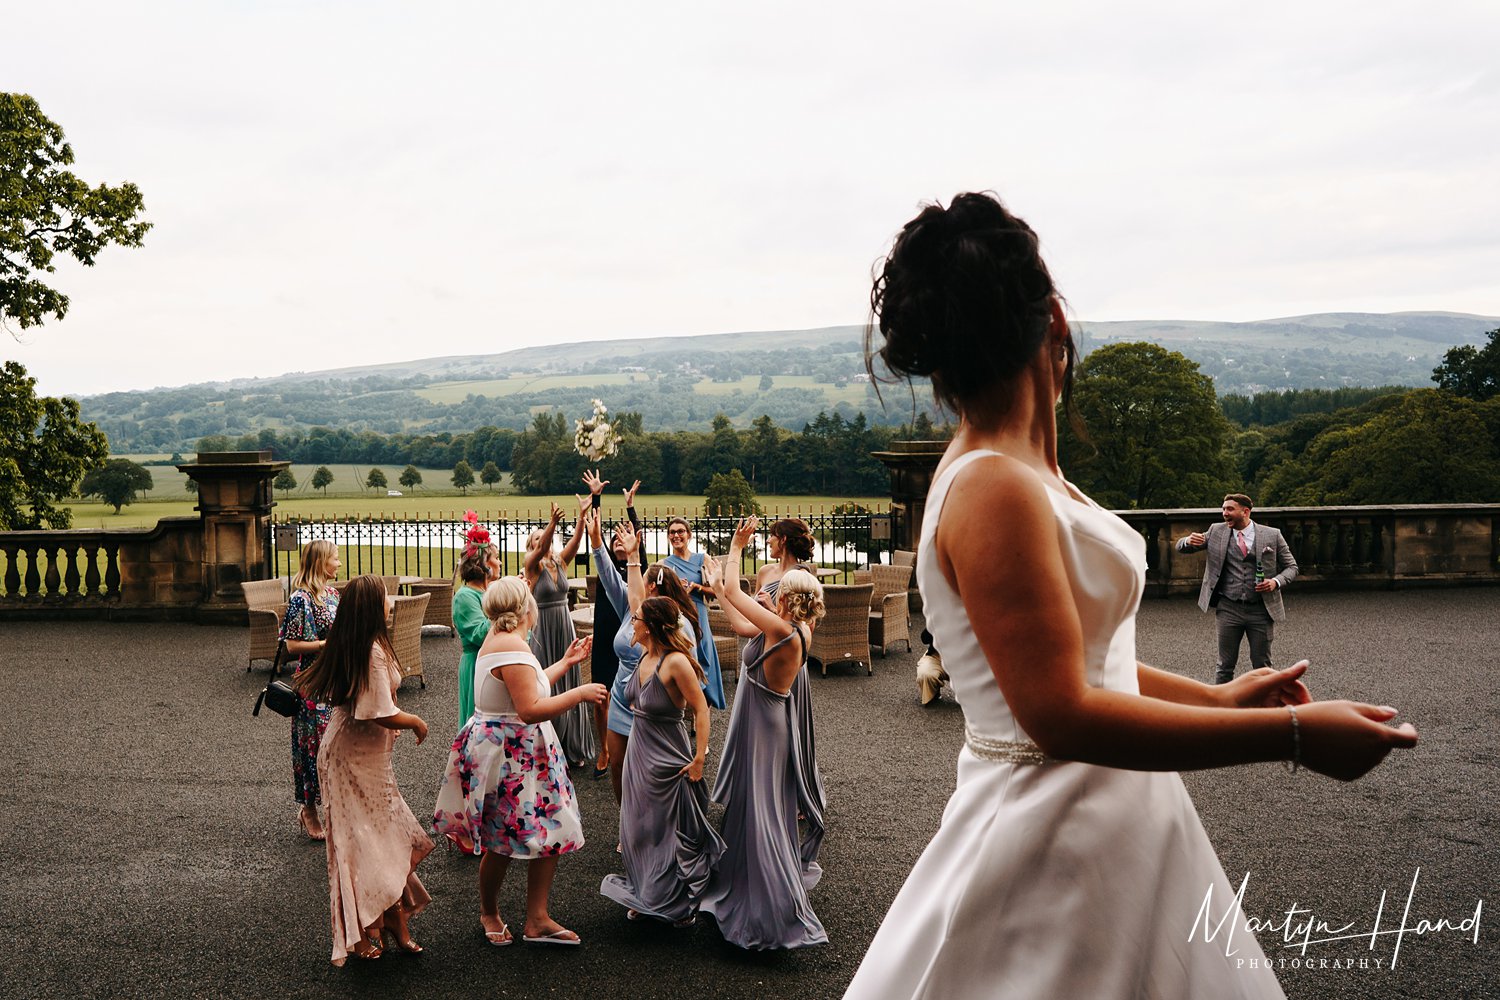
x: 669, y: 849
x: 758, y: 894
x: 546, y: 571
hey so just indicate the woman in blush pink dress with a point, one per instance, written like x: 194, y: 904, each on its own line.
x: 374, y: 841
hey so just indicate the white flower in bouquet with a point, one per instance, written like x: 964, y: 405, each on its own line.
x: 595, y: 438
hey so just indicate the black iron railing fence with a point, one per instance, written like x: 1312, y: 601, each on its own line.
x: 431, y: 545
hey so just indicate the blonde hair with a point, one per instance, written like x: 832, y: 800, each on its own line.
x: 312, y: 568
x: 547, y: 559
x: 802, y: 595
x: 507, y: 603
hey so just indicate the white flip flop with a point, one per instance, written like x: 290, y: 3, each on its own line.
x: 556, y: 937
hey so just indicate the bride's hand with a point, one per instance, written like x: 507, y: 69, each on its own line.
x: 1345, y: 739
x: 1267, y: 688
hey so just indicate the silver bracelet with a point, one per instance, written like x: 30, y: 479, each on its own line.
x: 1296, y: 761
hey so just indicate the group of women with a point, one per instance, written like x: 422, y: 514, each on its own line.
x: 507, y: 792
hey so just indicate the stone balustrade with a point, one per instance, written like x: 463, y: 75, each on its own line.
x: 1342, y: 547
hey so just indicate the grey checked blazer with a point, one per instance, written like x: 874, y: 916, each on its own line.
x: 1273, y: 552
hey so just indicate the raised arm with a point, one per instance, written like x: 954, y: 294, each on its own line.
x: 635, y: 582
x: 534, y: 557
x: 570, y: 547
x: 604, y: 565
x: 1020, y: 603
x: 714, y: 578
x: 736, y: 602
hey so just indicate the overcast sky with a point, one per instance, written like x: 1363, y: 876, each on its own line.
x: 339, y: 183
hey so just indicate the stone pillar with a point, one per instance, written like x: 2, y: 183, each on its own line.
x: 234, y: 510
x: 912, y: 464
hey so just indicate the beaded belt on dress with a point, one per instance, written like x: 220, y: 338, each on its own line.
x: 1004, y: 751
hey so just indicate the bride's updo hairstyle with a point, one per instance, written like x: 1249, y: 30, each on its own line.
x: 508, y: 603
x: 965, y: 299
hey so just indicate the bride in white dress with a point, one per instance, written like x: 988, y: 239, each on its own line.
x: 1070, y: 861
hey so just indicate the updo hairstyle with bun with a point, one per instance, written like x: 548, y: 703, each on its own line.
x: 796, y: 537
x: 801, y: 595
x: 474, y: 567
x: 965, y: 299
x: 508, y: 604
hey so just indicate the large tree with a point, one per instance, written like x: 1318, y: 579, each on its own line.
x: 1471, y: 371
x: 1156, y: 435
x: 44, y: 451
x: 116, y: 483
x: 1427, y: 447
x: 322, y: 478
x: 46, y: 210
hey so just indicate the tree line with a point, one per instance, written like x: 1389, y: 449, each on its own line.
x: 830, y: 456
x: 1152, y: 435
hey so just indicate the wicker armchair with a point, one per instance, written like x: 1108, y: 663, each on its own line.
x: 843, y: 636
x: 726, y: 643
x: 406, y: 634
x: 440, y: 608
x: 266, y: 600
x: 901, y: 557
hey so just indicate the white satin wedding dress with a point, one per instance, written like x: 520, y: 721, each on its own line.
x: 1054, y: 879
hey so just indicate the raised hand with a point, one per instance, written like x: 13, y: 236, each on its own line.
x: 713, y: 579
x: 629, y: 540
x: 630, y: 493
x: 1345, y: 740
x: 585, y: 504
x: 557, y: 513
x: 593, y: 482
x: 745, y: 531
x: 1267, y: 688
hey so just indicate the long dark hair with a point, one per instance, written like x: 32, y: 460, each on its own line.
x: 964, y: 298
x: 660, y: 616
x: 669, y: 584
x: 342, y: 670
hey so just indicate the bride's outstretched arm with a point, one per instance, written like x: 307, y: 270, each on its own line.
x: 1263, y: 688
x: 1019, y: 600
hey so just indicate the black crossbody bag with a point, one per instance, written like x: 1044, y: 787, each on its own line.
x: 278, y: 695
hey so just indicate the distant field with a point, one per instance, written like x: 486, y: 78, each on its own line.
x: 853, y: 393
x: 144, y: 514
x: 455, y: 392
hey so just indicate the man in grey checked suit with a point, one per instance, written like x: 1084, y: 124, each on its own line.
x: 1247, y: 566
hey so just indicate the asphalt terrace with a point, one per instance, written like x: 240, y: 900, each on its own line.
x: 149, y: 847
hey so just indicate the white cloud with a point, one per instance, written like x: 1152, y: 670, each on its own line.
x: 335, y: 183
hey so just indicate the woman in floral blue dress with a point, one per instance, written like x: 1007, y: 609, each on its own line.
x: 309, y: 613
x: 507, y: 793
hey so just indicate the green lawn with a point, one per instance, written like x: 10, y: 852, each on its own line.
x: 348, y: 482
x: 447, y: 506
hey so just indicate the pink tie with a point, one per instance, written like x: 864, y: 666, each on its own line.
x: 1244, y: 549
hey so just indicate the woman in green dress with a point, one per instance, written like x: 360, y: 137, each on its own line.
x: 478, y: 568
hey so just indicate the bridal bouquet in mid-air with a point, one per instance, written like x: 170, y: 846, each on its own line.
x: 596, y: 438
